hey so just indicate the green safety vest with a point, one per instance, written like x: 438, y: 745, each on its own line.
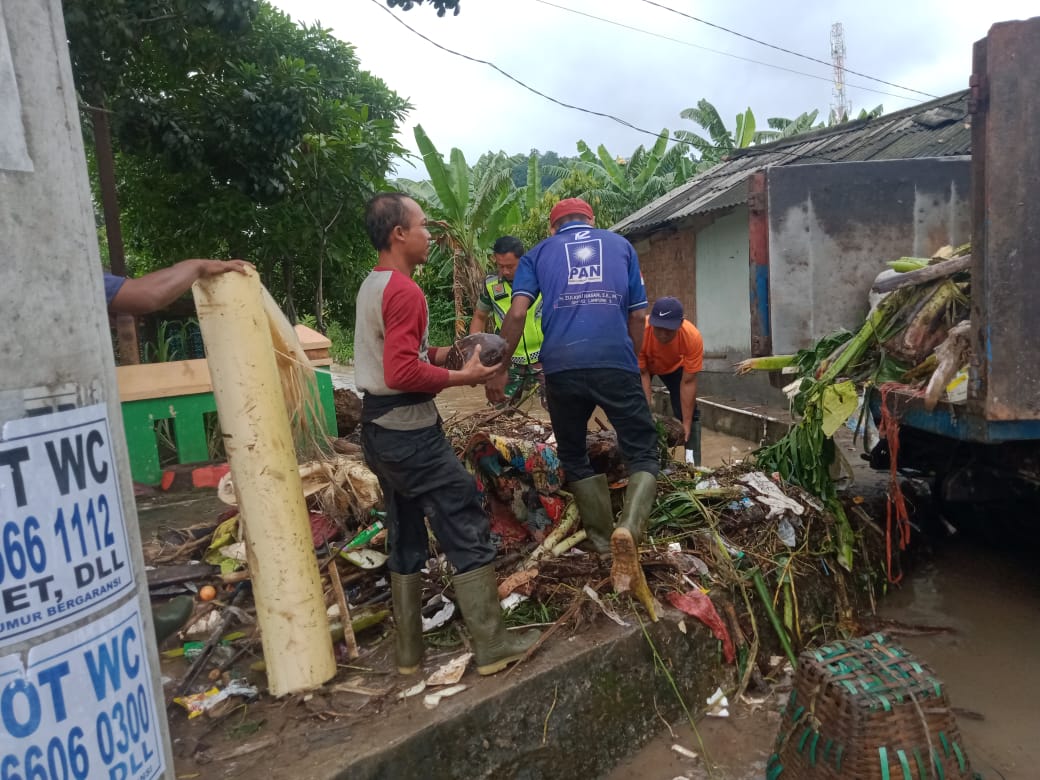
x: 500, y: 292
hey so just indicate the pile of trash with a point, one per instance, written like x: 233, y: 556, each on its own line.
x: 731, y: 547
x: 915, y: 340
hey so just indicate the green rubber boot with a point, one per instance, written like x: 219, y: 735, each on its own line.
x: 592, y: 495
x: 171, y: 617
x: 495, y: 647
x: 406, y: 592
x: 625, y: 571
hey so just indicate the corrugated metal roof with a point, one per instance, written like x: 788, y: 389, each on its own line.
x: 935, y: 129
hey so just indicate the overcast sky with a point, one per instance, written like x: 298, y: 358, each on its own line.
x: 925, y: 45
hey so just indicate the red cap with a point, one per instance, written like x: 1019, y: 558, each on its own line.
x: 570, y: 206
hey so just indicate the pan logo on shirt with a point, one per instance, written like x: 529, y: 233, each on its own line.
x: 584, y: 261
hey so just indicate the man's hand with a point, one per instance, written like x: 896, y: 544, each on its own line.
x: 207, y: 268
x: 495, y: 389
x: 473, y: 372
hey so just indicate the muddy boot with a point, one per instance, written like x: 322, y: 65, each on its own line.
x: 626, y: 572
x: 171, y: 617
x: 406, y: 591
x: 494, y: 647
x: 693, y: 444
x: 592, y: 495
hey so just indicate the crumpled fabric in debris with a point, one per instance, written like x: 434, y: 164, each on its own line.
x: 519, y: 478
x: 770, y: 494
x: 698, y: 605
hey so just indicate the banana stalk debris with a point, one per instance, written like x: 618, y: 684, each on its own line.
x: 916, y: 334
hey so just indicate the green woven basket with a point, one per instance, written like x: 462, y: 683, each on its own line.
x: 866, y: 708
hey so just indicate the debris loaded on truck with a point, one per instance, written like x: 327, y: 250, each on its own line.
x: 752, y: 557
x: 914, y: 339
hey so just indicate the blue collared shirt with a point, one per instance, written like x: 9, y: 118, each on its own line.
x: 590, y: 282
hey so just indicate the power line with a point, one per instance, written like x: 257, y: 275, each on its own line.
x: 714, y: 51
x: 512, y: 78
x: 781, y: 48
x: 701, y: 177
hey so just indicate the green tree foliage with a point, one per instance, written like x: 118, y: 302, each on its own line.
x: 468, y: 209
x: 442, y: 6
x: 109, y: 39
x: 616, y: 187
x: 550, y: 164
x: 720, y: 141
x: 266, y: 150
x: 782, y: 127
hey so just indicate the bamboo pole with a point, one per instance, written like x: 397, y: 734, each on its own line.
x: 344, y: 611
x: 287, y: 588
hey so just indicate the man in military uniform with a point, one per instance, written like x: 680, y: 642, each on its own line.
x: 525, y: 370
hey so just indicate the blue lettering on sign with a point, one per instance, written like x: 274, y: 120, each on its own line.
x: 46, y: 735
x: 105, y: 666
x: 584, y: 261
x: 20, y: 709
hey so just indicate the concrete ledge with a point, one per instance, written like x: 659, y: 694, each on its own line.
x: 760, y: 425
x: 748, y: 424
x: 575, y: 710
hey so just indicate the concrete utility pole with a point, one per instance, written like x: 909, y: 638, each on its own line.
x: 79, y: 690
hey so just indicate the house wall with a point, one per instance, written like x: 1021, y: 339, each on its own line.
x: 723, y: 305
x: 667, y: 261
x: 833, y: 226
x: 703, y: 261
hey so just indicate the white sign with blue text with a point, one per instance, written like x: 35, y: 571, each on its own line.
x: 63, y: 545
x: 82, y: 707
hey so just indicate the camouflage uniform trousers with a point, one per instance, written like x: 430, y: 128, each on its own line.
x: 523, y: 380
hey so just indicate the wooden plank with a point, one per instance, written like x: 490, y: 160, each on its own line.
x: 311, y: 339
x: 172, y: 575
x: 163, y: 380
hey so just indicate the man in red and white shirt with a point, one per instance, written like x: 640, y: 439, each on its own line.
x: 403, y: 443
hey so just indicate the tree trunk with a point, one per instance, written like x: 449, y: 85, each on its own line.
x: 126, y: 325
x: 319, y: 291
x: 288, y: 272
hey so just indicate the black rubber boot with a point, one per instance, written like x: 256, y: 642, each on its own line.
x: 406, y: 592
x: 693, y: 444
x: 495, y: 647
x: 592, y: 495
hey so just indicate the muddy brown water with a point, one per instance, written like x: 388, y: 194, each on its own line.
x: 989, y: 599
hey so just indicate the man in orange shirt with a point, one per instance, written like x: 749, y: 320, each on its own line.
x: 674, y: 350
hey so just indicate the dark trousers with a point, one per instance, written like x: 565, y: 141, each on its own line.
x: 573, y: 395
x: 421, y: 476
x: 673, y: 381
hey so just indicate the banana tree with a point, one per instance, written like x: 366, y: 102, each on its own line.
x: 722, y: 141
x: 468, y: 208
x: 782, y: 127
x: 621, y: 186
